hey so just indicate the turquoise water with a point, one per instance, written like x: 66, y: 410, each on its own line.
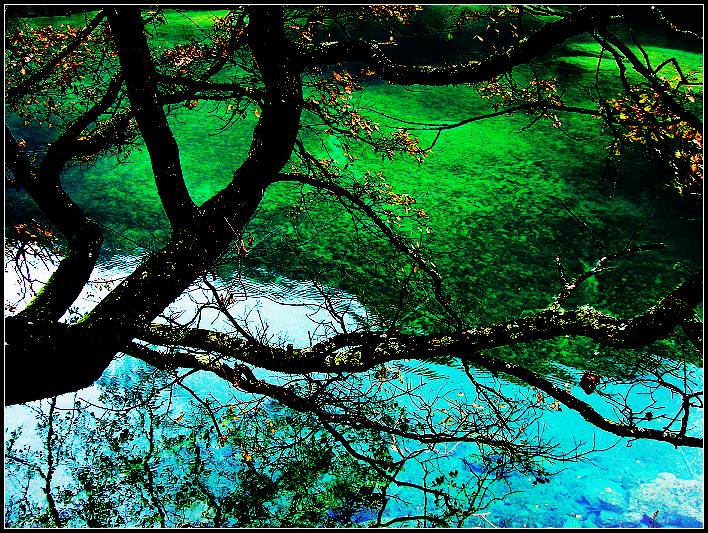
x: 622, y: 484
x: 498, y: 200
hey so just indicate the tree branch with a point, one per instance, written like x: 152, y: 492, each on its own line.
x: 358, y: 352
x: 165, y: 274
x: 570, y: 287
x: 553, y: 33
x: 584, y: 408
x: 139, y: 74
x: 67, y: 145
x: 650, y: 75
x: 234, y: 90
x: 393, y: 238
x: 275, y: 133
x: 27, y: 85
x: 84, y: 237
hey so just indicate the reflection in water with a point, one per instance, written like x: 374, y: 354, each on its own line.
x: 631, y: 484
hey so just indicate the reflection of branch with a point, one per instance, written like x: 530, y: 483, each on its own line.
x: 213, y: 500
x: 381, y: 467
x: 49, y: 445
x: 583, y: 408
x: 663, y: 19
x: 204, y: 404
x: 595, y: 240
x: 417, y: 519
x: 533, y: 106
x: 540, y: 42
x: 150, y: 479
x: 232, y: 90
x: 51, y: 466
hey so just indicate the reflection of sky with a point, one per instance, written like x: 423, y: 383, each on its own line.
x: 623, y: 486
x: 620, y: 487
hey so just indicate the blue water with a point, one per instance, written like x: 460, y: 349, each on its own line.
x: 630, y: 484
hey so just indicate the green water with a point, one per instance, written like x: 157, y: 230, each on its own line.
x: 495, y: 196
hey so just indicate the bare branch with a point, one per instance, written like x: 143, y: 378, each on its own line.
x: 601, y: 264
x: 396, y: 240
x: 583, y: 408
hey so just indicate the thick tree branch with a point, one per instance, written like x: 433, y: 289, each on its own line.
x: 43, y: 184
x: 656, y: 84
x: 275, y: 133
x: 357, y: 352
x: 139, y: 74
x: 202, y: 235
x: 163, y: 276
x: 360, y: 351
x: 84, y: 237
x: 392, y: 348
x: 553, y: 33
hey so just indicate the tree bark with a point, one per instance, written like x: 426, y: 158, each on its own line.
x: 72, y: 357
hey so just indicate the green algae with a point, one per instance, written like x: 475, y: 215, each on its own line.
x: 505, y: 198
